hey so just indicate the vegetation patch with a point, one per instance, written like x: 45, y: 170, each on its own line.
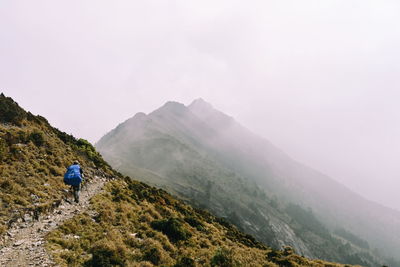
x: 124, y: 227
x: 173, y: 228
x: 33, y: 160
x: 194, y: 222
x: 223, y: 258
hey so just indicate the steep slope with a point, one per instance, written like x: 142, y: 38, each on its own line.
x: 211, y: 161
x: 334, y: 203
x: 124, y: 223
x: 33, y: 158
x: 260, y: 160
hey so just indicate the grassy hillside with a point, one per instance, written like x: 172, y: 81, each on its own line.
x: 33, y: 159
x: 132, y: 224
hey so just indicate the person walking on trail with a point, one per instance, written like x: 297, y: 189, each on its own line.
x: 74, y: 178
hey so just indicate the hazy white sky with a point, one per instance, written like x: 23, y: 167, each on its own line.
x: 320, y: 79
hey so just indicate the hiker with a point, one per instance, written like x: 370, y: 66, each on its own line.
x: 74, y: 177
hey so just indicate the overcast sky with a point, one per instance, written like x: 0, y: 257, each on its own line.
x: 320, y: 79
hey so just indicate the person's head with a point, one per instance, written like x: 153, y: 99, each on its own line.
x: 76, y: 162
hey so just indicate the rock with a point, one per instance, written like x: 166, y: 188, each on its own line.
x: 50, y: 224
x: 19, y: 242
x: 28, y: 217
x: 38, y: 243
x: 10, y: 234
x: 4, y: 250
x: 34, y: 197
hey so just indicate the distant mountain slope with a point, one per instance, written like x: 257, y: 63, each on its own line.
x: 255, y: 157
x: 210, y: 160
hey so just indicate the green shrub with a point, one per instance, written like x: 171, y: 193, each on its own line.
x: 106, y: 255
x: 173, y: 228
x: 223, y: 222
x: 3, y: 148
x: 284, y: 262
x: 87, y: 148
x: 54, y: 171
x: 223, y: 258
x: 185, y: 262
x: 10, y: 112
x: 66, y: 138
x: 37, y: 138
x: 194, y: 222
x: 22, y: 137
x: 153, y: 255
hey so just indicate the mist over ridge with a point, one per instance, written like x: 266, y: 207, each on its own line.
x: 208, y: 113
x: 317, y: 78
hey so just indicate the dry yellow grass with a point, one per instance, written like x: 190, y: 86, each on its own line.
x: 120, y: 231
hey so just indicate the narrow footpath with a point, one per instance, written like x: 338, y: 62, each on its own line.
x: 25, y: 242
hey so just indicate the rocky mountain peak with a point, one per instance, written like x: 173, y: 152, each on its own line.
x: 171, y: 107
x: 200, y: 103
x: 140, y: 115
x: 207, y: 112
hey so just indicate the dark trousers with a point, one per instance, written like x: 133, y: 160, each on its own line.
x: 76, y: 189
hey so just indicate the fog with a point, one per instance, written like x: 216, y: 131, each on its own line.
x: 319, y: 79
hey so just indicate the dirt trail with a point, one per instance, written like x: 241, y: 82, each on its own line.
x: 25, y: 243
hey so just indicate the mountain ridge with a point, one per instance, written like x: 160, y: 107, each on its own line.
x: 209, y: 133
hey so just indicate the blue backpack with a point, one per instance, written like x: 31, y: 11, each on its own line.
x: 73, y: 175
